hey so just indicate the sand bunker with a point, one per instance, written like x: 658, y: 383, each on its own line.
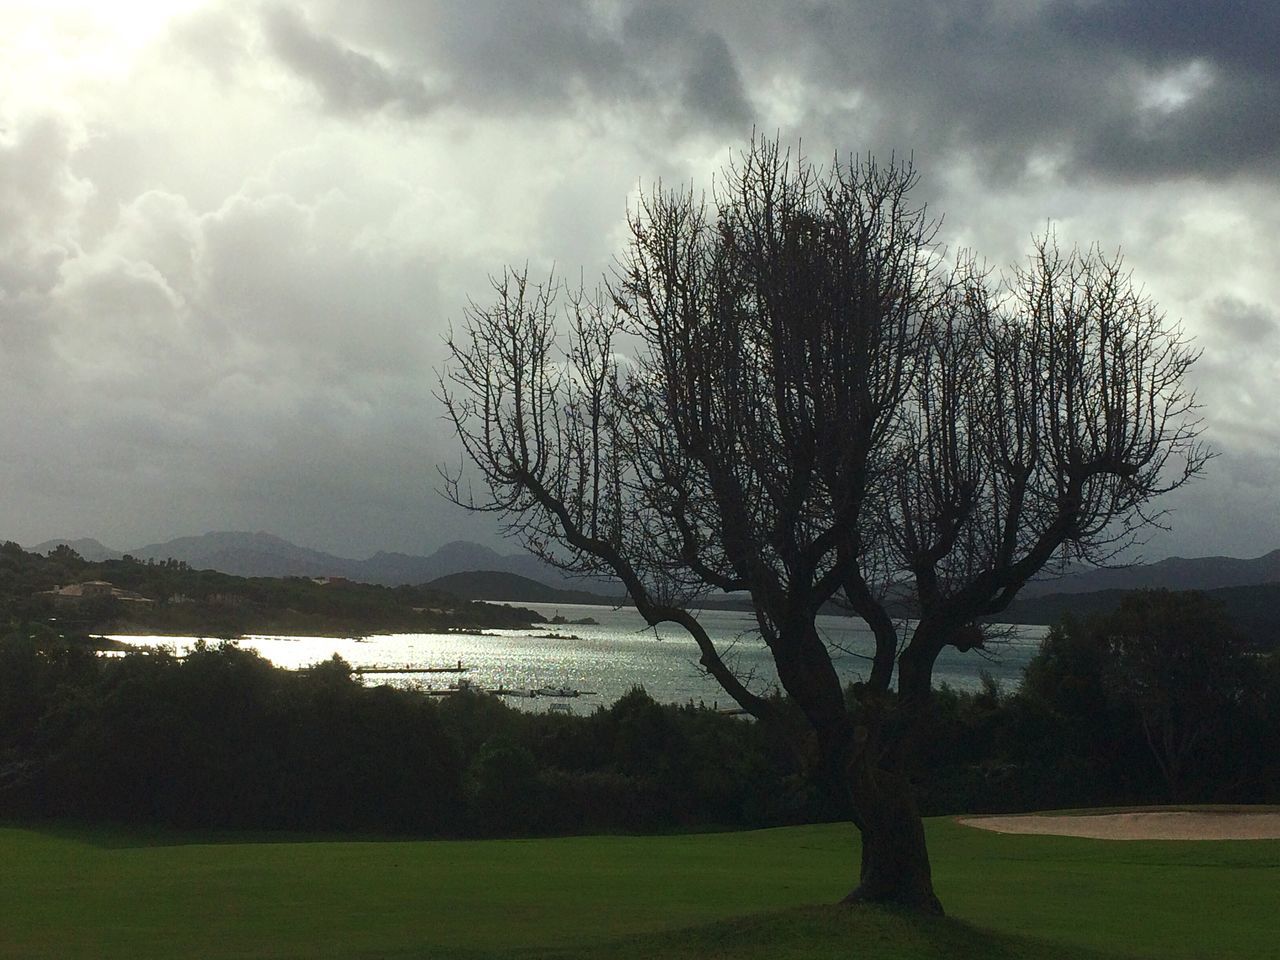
x: 1142, y: 825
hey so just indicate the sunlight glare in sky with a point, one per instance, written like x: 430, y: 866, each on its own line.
x: 53, y: 47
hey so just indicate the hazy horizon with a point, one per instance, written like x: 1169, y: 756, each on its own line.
x: 500, y: 546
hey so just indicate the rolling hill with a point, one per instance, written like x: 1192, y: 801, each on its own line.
x: 1250, y: 588
x: 1254, y: 607
x: 497, y: 585
x: 1175, y: 573
x: 261, y: 554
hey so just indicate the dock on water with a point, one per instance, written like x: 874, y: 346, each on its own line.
x: 408, y: 668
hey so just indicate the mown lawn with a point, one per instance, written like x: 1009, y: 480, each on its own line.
x: 97, y: 893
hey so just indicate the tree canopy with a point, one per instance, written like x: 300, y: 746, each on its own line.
x: 788, y: 388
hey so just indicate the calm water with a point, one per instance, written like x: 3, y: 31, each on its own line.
x: 607, y: 659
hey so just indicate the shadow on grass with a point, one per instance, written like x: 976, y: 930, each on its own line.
x: 821, y: 932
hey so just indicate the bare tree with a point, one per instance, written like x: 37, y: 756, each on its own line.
x: 783, y: 391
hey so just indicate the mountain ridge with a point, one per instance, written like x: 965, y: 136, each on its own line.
x: 260, y: 553
x: 501, y: 587
x: 89, y: 548
x: 1172, y: 573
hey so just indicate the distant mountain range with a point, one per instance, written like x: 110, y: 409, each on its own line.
x: 1176, y: 573
x: 1255, y: 609
x: 90, y: 549
x: 513, y: 588
x: 473, y: 571
x: 266, y: 555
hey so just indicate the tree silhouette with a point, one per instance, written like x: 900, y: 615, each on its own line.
x: 783, y: 390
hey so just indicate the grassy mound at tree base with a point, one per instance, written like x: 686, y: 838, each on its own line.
x: 98, y: 893
x: 819, y: 933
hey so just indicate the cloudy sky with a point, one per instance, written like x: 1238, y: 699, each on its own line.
x: 232, y: 233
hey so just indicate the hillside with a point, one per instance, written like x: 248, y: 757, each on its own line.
x: 246, y: 555
x: 1250, y: 588
x: 87, y: 547
x: 262, y: 554
x: 513, y: 588
x: 1255, y: 609
x: 132, y: 596
x: 266, y: 555
x: 1175, y: 573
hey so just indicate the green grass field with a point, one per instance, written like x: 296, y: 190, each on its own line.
x: 96, y: 893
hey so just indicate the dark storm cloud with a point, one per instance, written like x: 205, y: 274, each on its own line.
x: 546, y: 57
x: 515, y: 55
x: 1250, y: 325
x: 1241, y: 34
x: 712, y: 86
x: 1229, y: 126
x: 349, y: 82
x: 1129, y: 90
x: 690, y: 59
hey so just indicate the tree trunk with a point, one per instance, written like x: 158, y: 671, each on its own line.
x: 895, y: 860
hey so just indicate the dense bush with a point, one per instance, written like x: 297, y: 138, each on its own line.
x: 1156, y: 701
x: 221, y: 738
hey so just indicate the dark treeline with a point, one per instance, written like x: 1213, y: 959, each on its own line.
x: 1161, y: 700
x: 1158, y: 702
x: 221, y: 738
x: 1255, y: 609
